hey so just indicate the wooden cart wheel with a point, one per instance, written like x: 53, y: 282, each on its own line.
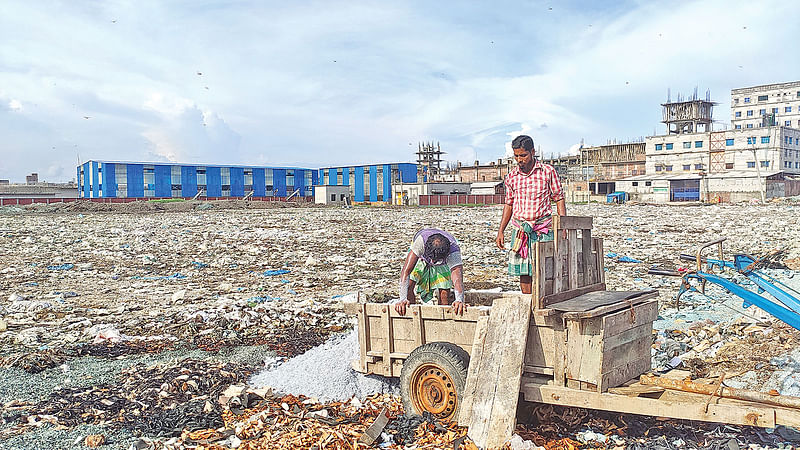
x: 433, y: 379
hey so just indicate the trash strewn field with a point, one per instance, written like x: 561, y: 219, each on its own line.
x: 131, y: 321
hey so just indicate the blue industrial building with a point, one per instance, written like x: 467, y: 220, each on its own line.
x: 372, y: 183
x: 113, y: 179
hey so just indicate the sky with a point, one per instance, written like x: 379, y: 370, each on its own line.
x: 332, y: 83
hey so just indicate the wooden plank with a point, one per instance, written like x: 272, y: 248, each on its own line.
x: 539, y: 274
x: 690, y: 407
x: 627, y: 336
x: 493, y: 415
x: 559, y: 354
x: 572, y: 293
x: 560, y: 267
x: 588, y: 261
x: 636, y: 390
x: 622, y: 354
x: 539, y: 350
x: 475, y: 361
x: 419, y: 328
x: 572, y: 258
x: 618, y: 375
x: 601, y: 264
x: 591, y: 300
x: 387, y: 336
x: 363, y: 337
x: 575, y: 222
x: 609, y: 308
x: 584, y: 350
x: 618, y: 322
x: 537, y: 370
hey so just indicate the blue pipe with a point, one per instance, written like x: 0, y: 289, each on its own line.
x: 786, y: 315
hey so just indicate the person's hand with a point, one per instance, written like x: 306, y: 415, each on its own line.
x: 400, y: 307
x: 500, y: 241
x: 459, y: 307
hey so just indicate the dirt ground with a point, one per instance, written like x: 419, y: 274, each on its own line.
x: 102, y: 281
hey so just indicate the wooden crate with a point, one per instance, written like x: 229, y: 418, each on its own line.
x: 604, y: 351
x: 565, y: 268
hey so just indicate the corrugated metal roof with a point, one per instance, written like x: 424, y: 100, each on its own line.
x: 485, y: 184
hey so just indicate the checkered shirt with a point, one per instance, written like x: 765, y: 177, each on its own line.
x: 529, y: 195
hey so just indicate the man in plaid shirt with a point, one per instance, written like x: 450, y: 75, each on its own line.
x: 530, y: 188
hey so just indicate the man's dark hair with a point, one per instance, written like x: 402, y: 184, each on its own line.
x: 437, y: 247
x: 522, y: 141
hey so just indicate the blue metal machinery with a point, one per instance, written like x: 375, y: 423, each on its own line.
x: 785, y: 307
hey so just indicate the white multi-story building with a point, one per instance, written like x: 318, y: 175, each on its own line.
x: 768, y: 104
x: 731, y: 165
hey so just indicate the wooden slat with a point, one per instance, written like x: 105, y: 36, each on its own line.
x: 573, y: 245
x: 475, y: 361
x: 387, y: 336
x: 636, y: 390
x: 537, y: 370
x: 678, y: 406
x: 620, y: 374
x: 588, y: 261
x: 601, y: 265
x: 575, y: 222
x: 539, y: 274
x: 610, y: 308
x: 627, y: 336
x: 560, y: 354
x: 363, y: 333
x: 494, y: 407
x: 566, y: 295
x: 560, y: 267
x: 644, y: 314
x: 419, y: 328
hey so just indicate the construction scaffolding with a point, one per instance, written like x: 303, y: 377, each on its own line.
x: 429, y: 159
x: 687, y: 116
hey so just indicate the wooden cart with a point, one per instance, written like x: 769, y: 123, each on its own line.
x: 570, y: 343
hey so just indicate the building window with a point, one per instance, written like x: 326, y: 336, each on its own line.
x: 761, y: 112
x: 787, y: 109
x: 751, y: 140
x: 764, y: 163
x: 775, y: 110
x: 751, y: 164
x: 687, y: 145
x: 648, y: 183
x: 738, y: 127
x: 687, y: 167
x: 749, y: 113
x: 669, y: 146
x: 728, y: 142
x: 747, y: 99
x: 658, y: 168
x: 765, y: 139
x: 635, y: 183
x: 729, y: 165
x: 698, y: 167
x: 788, y: 123
x: 658, y: 146
x: 738, y: 114
x: 762, y: 98
x: 669, y: 168
x: 333, y: 197
x: 698, y: 144
x: 749, y: 125
x: 736, y: 100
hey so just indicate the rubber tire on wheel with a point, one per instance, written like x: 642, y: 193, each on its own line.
x: 433, y: 379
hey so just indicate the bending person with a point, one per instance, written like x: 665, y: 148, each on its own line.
x: 433, y: 267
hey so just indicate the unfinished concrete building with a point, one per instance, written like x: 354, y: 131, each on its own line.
x: 775, y: 104
x: 492, y: 171
x: 605, y: 164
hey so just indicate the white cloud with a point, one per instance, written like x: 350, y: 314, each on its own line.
x: 15, y: 105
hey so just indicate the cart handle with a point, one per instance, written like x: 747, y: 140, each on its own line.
x: 706, y: 245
